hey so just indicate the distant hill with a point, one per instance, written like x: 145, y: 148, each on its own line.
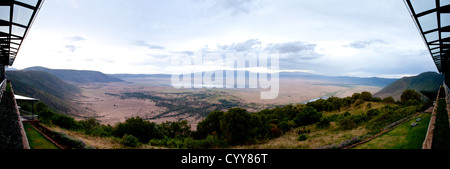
x: 44, y: 86
x: 126, y: 76
x: 341, y: 80
x: 372, y: 81
x: 79, y: 76
x: 428, y: 82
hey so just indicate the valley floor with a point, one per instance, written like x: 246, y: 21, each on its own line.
x: 106, y: 101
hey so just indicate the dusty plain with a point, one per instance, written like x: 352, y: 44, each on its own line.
x: 156, y: 100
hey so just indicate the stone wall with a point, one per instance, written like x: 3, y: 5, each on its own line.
x: 12, y: 133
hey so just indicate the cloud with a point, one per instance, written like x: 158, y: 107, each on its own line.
x: 145, y: 44
x: 75, y: 38
x: 296, y: 50
x: 365, y: 44
x: 241, y: 47
x: 237, y: 7
x: 71, y: 48
x: 291, y: 47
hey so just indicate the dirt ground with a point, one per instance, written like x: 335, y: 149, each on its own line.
x: 102, y: 99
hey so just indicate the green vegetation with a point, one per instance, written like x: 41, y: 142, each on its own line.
x: 428, y: 81
x: 441, y: 137
x: 8, y: 87
x: 48, y: 88
x: 237, y: 126
x: 36, y: 140
x: 207, y: 101
x: 402, y: 137
x: 79, y: 76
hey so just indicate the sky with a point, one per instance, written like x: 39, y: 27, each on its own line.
x: 370, y: 38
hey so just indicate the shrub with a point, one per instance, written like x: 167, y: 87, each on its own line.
x: 347, y: 114
x: 410, y: 97
x: 302, y: 137
x: 366, y: 96
x: 236, y: 126
x: 209, y: 125
x: 176, y: 129
x: 347, y: 123
x: 369, y: 105
x: 275, y: 131
x: 359, y: 102
x: 307, y: 116
x: 139, y: 128
x: 388, y: 100
x: 372, y: 113
x: 129, y: 141
x: 323, y: 123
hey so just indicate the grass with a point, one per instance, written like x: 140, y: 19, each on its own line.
x: 8, y: 87
x: 402, y: 137
x: 318, y: 137
x: 36, y: 139
x: 441, y: 138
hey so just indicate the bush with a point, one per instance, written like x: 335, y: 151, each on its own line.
x: 390, y: 115
x: 347, y: 123
x: 388, y: 100
x: 369, y: 105
x: 176, y: 129
x: 139, y: 128
x: 323, y: 123
x: 372, y: 113
x: 209, y: 125
x: 302, y: 137
x: 92, y: 127
x: 189, y: 143
x: 359, y: 102
x: 366, y: 96
x: 275, y: 131
x: 129, y: 141
x: 410, y: 97
x: 307, y: 116
x: 236, y: 126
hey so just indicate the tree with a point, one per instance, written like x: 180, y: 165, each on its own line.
x: 139, y: 128
x: 129, y: 141
x: 307, y: 116
x: 410, y: 97
x: 210, y: 125
x: 41, y: 106
x: 356, y: 96
x: 323, y: 123
x: 347, y: 123
x: 366, y: 96
x: 236, y: 126
x: 388, y: 100
x: 176, y: 129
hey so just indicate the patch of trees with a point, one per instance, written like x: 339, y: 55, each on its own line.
x: 183, y: 105
x: 237, y: 126
x: 335, y: 103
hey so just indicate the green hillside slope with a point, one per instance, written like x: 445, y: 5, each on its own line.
x: 44, y: 86
x: 79, y: 76
x: 428, y: 81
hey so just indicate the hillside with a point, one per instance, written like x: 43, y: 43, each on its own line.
x: 78, y: 76
x: 44, y: 86
x: 427, y: 82
x: 344, y: 80
x: 339, y: 80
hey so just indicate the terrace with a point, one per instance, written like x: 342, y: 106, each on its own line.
x: 432, y: 18
x: 16, y: 18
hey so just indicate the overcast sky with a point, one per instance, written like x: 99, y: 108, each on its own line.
x: 363, y: 38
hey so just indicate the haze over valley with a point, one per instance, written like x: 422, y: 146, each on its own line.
x: 114, y: 98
